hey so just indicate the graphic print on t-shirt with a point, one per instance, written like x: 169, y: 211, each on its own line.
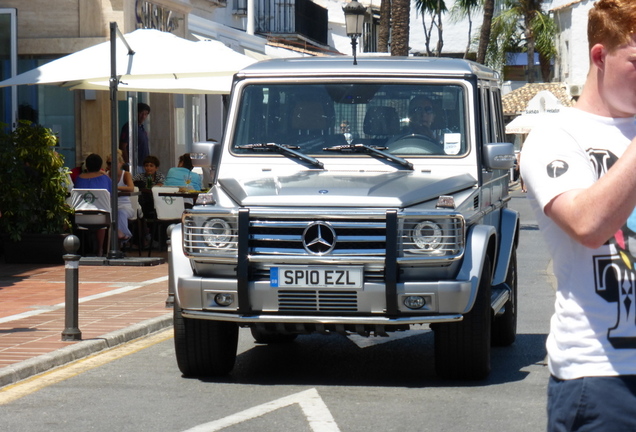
x: 615, y: 282
x: 615, y: 275
x: 602, y: 159
x: 557, y: 168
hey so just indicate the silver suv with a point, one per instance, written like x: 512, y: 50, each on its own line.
x: 358, y: 199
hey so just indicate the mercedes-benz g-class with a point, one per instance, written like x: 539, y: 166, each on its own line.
x: 357, y: 199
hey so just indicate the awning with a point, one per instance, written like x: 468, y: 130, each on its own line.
x: 539, y: 109
x: 159, y: 62
x: 524, y: 123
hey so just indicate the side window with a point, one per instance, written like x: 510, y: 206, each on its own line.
x: 492, y: 112
x: 497, y: 116
x: 486, y: 114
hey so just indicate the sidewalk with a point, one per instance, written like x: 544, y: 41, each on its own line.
x: 116, y: 304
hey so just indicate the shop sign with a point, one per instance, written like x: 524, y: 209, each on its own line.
x: 154, y: 16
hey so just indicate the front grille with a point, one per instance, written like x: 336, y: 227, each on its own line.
x: 276, y: 237
x: 285, y: 237
x: 317, y: 301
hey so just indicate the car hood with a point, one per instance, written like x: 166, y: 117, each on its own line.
x: 337, y: 189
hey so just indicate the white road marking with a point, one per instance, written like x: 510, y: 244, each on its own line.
x: 366, y: 342
x: 312, y: 405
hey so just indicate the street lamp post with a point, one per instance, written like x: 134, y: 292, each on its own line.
x: 354, y: 18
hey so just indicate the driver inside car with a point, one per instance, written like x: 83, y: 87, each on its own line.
x: 421, y: 117
x: 422, y: 125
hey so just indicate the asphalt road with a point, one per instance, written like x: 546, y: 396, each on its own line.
x: 318, y: 383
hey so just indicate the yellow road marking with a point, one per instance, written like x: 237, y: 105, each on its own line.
x: 25, y: 387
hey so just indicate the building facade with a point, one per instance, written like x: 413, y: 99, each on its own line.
x: 81, y: 118
x: 572, y: 63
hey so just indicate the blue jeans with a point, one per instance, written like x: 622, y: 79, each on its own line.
x: 596, y: 404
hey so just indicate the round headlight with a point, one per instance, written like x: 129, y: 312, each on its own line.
x: 217, y: 233
x: 427, y: 235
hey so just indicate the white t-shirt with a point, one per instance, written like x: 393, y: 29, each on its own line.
x: 593, y: 329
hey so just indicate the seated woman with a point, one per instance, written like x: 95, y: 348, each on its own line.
x: 124, y: 206
x: 421, y: 117
x: 182, y: 175
x: 94, y: 178
x: 422, y: 137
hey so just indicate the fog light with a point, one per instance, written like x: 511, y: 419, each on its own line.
x: 224, y: 299
x: 414, y: 302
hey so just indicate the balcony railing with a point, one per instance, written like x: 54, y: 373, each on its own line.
x: 292, y: 17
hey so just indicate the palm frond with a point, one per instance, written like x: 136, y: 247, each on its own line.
x: 430, y: 6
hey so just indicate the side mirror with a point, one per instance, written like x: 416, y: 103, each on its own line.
x: 206, y: 155
x: 499, y: 156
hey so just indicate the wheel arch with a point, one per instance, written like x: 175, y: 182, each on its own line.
x: 508, y: 241
x: 475, y: 255
x: 178, y: 263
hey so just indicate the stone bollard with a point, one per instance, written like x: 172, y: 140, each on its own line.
x: 71, y: 265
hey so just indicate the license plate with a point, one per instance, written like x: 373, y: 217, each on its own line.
x: 316, y: 277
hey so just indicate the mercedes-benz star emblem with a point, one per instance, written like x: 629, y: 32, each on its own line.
x: 319, y: 238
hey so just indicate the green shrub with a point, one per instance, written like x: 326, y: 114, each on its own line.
x: 33, y: 180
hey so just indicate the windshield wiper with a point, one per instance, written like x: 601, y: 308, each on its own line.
x: 284, y: 149
x: 374, y: 151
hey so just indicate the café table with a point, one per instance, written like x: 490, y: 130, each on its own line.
x: 192, y: 195
x: 159, y: 219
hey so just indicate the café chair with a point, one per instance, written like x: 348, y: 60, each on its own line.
x: 168, y: 211
x: 92, y: 214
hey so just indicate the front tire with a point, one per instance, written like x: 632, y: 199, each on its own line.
x: 462, y: 349
x: 204, y: 348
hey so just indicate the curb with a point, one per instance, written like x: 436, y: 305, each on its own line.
x: 28, y: 368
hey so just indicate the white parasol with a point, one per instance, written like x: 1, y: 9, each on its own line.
x: 158, y: 62
x: 539, y: 109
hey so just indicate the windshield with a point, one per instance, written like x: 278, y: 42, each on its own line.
x: 324, y: 119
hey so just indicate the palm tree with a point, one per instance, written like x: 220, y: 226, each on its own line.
x: 464, y: 9
x: 523, y: 26
x: 434, y: 8
x: 384, y: 31
x: 400, y: 14
x: 529, y: 9
x: 545, y: 30
x: 484, y: 34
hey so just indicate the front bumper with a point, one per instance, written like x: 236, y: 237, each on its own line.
x: 317, y: 320
x: 377, y: 303
x: 445, y: 301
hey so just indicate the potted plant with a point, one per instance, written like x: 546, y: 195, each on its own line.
x: 33, y: 207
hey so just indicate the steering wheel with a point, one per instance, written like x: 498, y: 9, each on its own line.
x: 414, y: 144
